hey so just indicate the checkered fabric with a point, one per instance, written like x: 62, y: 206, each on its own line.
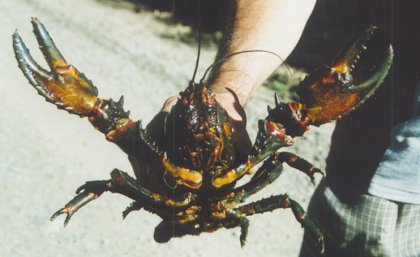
x: 371, y: 227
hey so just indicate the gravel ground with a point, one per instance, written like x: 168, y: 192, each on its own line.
x: 46, y: 154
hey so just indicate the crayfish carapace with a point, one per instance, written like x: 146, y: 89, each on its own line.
x: 188, y: 175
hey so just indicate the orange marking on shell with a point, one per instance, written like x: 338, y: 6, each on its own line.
x: 74, y: 92
x: 187, y: 218
x: 231, y: 205
x: 187, y: 177
x: 192, y: 209
x: 122, y: 126
x: 157, y: 196
x: 341, y: 67
x: 231, y: 175
x: 328, y: 102
x: 329, y: 79
x: 216, y: 152
x: 218, y: 215
x: 279, y: 131
x: 275, y: 130
x: 227, y: 130
x: 170, y: 202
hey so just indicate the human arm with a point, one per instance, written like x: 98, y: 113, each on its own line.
x: 270, y: 25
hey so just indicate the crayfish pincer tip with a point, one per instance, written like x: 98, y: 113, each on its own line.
x: 47, y: 46
x: 321, y: 246
x: 35, y: 20
x: 57, y: 213
x: 16, y: 37
x: 67, y: 220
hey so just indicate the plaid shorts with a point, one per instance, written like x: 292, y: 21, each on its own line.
x: 372, y: 227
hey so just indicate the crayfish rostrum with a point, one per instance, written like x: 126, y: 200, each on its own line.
x: 188, y: 175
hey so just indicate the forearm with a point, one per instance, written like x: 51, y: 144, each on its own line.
x: 271, y: 25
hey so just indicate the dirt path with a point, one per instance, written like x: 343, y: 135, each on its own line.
x: 46, y: 154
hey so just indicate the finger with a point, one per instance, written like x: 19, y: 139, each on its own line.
x: 47, y: 46
x: 36, y: 75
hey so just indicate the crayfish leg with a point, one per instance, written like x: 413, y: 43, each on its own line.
x: 284, y: 201
x: 85, y: 194
x: 300, y: 164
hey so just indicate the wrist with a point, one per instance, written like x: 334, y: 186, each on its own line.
x: 243, y: 73
x: 226, y: 81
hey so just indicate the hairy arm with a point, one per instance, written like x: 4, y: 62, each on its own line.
x: 271, y: 25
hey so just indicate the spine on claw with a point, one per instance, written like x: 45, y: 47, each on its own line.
x: 290, y: 115
x: 110, y: 118
x: 283, y: 122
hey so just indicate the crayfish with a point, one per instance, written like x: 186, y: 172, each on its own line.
x: 188, y: 175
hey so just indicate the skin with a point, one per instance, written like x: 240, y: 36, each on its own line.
x: 272, y: 25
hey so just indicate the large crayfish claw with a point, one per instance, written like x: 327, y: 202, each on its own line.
x: 63, y: 85
x: 333, y: 91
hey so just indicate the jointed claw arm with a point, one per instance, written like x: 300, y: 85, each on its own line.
x: 68, y: 89
x: 331, y: 92
x: 326, y: 95
x: 63, y: 85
